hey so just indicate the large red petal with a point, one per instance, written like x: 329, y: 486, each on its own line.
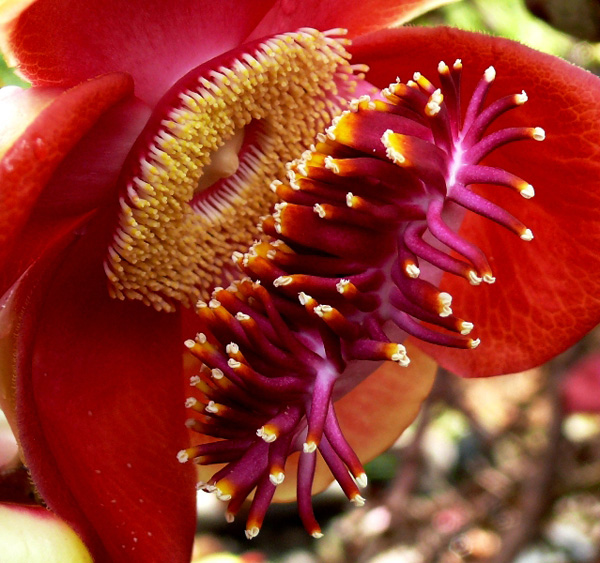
x: 67, y: 41
x: 547, y: 293
x: 55, y: 122
x: 356, y: 17
x: 100, y: 412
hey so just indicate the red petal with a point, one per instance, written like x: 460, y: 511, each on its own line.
x: 100, y: 412
x: 54, y: 123
x: 357, y: 17
x: 546, y: 296
x: 67, y: 41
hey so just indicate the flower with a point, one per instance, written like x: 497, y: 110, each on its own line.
x: 91, y: 384
x: 100, y: 162
x: 378, y: 227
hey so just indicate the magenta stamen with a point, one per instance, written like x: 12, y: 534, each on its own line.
x: 478, y: 99
x: 487, y: 116
x: 306, y: 473
x: 494, y: 141
x: 408, y: 324
x: 445, y: 235
x: 474, y: 202
x: 413, y: 241
x: 338, y: 442
x: 339, y: 470
x: 317, y: 412
x: 479, y: 174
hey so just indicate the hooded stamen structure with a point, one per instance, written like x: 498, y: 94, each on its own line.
x: 349, y: 266
x: 188, y: 199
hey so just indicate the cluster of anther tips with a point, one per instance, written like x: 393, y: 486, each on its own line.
x: 265, y: 391
x: 359, y: 239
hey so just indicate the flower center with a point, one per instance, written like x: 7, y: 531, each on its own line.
x: 361, y: 236
x: 190, y: 196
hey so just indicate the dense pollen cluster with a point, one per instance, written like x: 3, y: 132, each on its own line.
x: 176, y: 230
x: 347, y: 268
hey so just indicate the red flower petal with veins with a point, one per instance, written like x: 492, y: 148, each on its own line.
x: 546, y: 294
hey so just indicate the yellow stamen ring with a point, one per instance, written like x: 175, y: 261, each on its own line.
x: 170, y: 248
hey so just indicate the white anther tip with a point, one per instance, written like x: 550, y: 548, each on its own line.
x: 282, y: 280
x: 189, y: 343
x: 182, y: 456
x: 521, y: 98
x: 488, y: 278
x: 252, y: 532
x: 358, y: 500
x: 412, y: 271
x: 320, y: 210
x: 528, y: 192
x: 216, y: 373
x: 303, y: 298
x: 361, y: 480
x: 277, y: 478
x: 342, y: 285
x: 466, y: 327
x: 474, y: 343
x: 538, y: 134
x: 309, y: 447
x: 474, y: 279
x: 527, y: 235
x: 221, y: 495
x: 445, y: 300
x: 190, y: 402
x: 317, y: 535
x: 490, y: 74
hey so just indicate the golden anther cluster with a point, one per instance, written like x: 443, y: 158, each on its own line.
x: 170, y: 247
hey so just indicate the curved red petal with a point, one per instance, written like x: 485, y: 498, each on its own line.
x: 55, y: 123
x: 356, y: 17
x: 67, y: 41
x: 100, y: 412
x: 546, y: 294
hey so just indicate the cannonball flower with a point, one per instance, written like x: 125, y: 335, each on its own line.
x: 137, y: 163
x: 437, y: 213
x: 142, y: 159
